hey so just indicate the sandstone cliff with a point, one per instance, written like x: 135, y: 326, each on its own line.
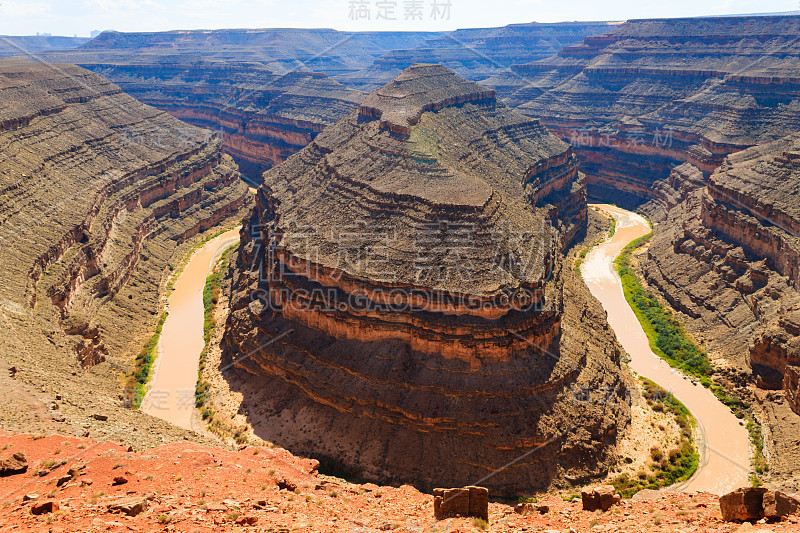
x: 652, y: 94
x: 477, y: 53
x: 256, y: 88
x: 726, y: 257
x: 13, y: 45
x: 401, y: 280
x: 97, y: 192
x: 262, y: 117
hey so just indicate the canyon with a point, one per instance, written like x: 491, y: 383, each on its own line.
x: 725, y: 258
x: 401, y: 279
x: 100, y: 196
x: 269, y: 92
x: 653, y: 94
x: 12, y: 45
x: 404, y: 275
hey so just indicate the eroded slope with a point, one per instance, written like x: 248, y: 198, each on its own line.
x: 652, y: 94
x: 97, y: 192
x: 401, y: 281
x: 726, y: 258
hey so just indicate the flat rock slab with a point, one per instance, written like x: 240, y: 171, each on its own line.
x: 129, y: 506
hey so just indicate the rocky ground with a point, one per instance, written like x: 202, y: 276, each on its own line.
x: 187, y: 487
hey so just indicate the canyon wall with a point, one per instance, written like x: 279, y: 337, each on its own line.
x: 261, y: 116
x: 653, y: 94
x: 97, y: 192
x: 726, y: 258
x: 269, y: 92
x: 281, y: 50
x: 13, y: 45
x: 635, y: 99
x: 401, y: 280
x: 477, y: 53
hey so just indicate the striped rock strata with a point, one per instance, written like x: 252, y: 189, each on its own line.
x: 652, y: 94
x: 400, y: 290
x: 726, y: 258
x: 96, y: 192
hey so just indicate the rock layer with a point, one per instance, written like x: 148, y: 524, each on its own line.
x: 257, y: 89
x: 652, y: 94
x: 14, y: 45
x: 726, y: 258
x: 401, y: 280
x: 477, y: 53
x: 262, y: 117
x: 97, y: 191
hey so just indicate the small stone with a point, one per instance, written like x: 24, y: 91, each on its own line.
x: 30, y: 497
x: 120, y: 480
x: 66, y: 478
x: 86, y: 481
x: 45, y: 507
x: 101, y: 418
x: 530, y: 508
x: 247, y: 520
x: 76, y: 470
x: 215, y: 507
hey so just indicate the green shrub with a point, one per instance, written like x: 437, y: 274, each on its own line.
x: 211, y: 294
x: 137, y: 379
x: 679, y: 464
x: 666, y: 334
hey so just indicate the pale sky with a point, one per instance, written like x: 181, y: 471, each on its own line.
x: 69, y: 17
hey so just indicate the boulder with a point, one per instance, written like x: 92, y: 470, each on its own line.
x: 129, y: 506
x: 778, y: 505
x: 44, y: 507
x: 746, y: 503
x: 469, y: 501
x: 599, y: 498
x: 247, y: 521
x: 16, y: 464
x: 479, y: 502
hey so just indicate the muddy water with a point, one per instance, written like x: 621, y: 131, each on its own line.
x: 171, y: 393
x: 724, y: 443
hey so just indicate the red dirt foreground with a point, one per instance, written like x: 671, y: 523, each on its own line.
x: 78, y: 484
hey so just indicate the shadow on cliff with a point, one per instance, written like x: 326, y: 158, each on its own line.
x: 379, y: 412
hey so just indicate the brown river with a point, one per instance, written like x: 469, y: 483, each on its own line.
x: 723, y: 442
x: 171, y: 393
